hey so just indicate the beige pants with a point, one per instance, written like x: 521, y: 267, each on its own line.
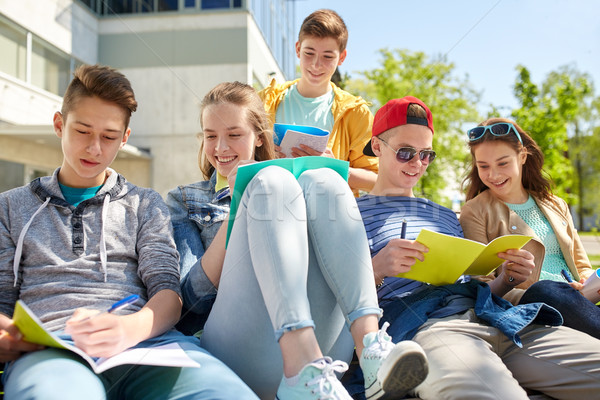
x: 471, y: 360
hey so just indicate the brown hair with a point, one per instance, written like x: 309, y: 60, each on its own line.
x: 414, y: 110
x: 103, y: 82
x: 325, y: 24
x: 242, y: 95
x: 533, y: 178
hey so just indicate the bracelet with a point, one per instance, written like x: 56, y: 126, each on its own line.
x: 380, y: 284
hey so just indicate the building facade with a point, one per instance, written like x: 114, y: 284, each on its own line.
x: 173, y: 52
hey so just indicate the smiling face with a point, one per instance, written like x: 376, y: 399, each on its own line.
x: 500, y: 168
x: 228, y: 136
x: 91, y: 135
x: 396, y: 178
x: 319, y: 57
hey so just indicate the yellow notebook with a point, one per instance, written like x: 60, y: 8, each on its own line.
x: 171, y: 355
x: 449, y: 257
x: 296, y: 166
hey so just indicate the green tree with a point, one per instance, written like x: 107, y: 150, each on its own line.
x: 561, y: 117
x: 451, y: 99
x: 573, y: 93
x: 590, y: 176
x: 539, y: 115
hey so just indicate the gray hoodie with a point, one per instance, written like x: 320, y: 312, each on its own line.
x: 57, y: 258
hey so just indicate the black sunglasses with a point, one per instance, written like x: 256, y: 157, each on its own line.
x: 405, y: 154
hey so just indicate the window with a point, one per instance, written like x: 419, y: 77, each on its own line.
x: 94, y: 5
x: 208, y: 4
x: 32, y: 173
x: 168, y: 5
x: 18, y: 174
x: 13, y: 47
x: 49, y: 68
x: 13, y: 175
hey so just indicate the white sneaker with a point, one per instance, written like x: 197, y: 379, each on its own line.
x: 391, y: 370
x: 316, y: 380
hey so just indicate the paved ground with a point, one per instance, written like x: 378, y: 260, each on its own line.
x: 591, y: 244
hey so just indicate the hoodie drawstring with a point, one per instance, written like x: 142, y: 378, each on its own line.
x: 102, y: 241
x: 19, y: 249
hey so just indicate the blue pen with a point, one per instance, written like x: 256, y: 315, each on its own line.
x: 127, y: 301
x: 403, y: 231
x: 223, y: 193
x: 119, y: 305
x: 565, y: 275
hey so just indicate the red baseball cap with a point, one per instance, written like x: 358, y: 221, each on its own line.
x: 393, y: 114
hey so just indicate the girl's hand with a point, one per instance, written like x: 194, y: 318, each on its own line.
x: 578, y: 285
x: 305, y: 150
x: 98, y: 334
x: 233, y: 173
x: 398, y: 255
x: 278, y: 152
x: 11, y: 343
x: 517, y: 268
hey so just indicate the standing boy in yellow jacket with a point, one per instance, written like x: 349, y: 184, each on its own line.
x: 316, y: 101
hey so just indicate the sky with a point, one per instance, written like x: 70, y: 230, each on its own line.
x: 485, y: 39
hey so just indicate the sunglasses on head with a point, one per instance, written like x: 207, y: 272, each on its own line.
x: 497, y: 129
x: 405, y: 154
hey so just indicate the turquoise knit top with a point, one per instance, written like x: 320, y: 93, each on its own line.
x: 554, y: 261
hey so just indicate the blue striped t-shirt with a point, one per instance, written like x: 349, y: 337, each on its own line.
x: 383, y: 216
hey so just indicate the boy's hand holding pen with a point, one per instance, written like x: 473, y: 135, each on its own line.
x: 101, y: 334
x: 397, y: 256
x: 119, y: 305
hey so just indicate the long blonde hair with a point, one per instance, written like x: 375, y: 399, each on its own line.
x: 245, y: 96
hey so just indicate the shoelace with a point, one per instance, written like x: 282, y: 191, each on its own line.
x: 382, y: 333
x: 328, y: 368
x: 374, y: 351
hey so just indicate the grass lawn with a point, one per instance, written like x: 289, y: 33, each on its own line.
x: 595, y: 259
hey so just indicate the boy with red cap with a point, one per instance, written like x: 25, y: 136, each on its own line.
x: 477, y: 344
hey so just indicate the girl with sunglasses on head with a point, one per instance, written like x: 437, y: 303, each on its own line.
x: 507, y: 193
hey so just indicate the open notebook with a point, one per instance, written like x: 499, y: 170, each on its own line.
x: 169, y: 355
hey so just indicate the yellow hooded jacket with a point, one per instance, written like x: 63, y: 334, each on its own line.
x: 351, y: 127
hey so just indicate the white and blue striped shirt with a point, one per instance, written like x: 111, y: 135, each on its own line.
x: 383, y: 216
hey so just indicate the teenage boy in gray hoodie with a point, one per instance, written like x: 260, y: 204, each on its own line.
x: 76, y: 242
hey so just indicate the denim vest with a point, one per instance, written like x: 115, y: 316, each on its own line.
x: 196, y: 215
x: 406, y: 314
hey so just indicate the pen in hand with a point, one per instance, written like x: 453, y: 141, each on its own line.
x: 565, y: 275
x: 403, y: 231
x: 119, y: 305
x: 127, y: 301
